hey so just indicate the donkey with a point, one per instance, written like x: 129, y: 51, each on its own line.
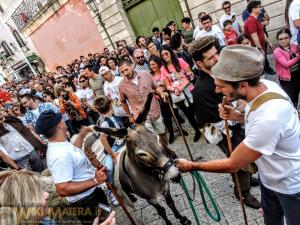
x: 145, y: 168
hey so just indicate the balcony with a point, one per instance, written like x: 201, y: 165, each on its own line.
x: 27, y: 12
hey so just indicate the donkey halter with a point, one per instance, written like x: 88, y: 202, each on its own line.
x: 161, y: 171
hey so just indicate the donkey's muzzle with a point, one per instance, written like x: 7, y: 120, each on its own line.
x: 176, y: 179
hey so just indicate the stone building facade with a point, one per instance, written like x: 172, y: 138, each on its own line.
x: 119, y: 27
x: 124, y: 18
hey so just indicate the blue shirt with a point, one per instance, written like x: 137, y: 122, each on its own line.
x: 31, y: 117
x: 260, y: 18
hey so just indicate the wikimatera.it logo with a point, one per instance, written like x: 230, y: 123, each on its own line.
x: 58, y: 213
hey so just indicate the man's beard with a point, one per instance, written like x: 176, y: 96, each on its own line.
x: 236, y: 96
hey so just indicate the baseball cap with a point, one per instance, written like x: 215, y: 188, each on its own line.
x: 103, y: 70
x: 47, y: 122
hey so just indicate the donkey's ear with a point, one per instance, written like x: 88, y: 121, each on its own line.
x: 143, y: 114
x: 115, y: 132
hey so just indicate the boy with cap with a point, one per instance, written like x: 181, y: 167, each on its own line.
x: 74, y: 176
x: 272, y: 133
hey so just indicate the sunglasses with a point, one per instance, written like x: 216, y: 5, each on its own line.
x: 139, y: 57
x: 226, y: 8
x: 82, y: 81
x: 165, y: 53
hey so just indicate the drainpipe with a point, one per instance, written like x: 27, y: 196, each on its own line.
x: 189, y: 11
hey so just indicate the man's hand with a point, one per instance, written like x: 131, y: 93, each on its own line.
x: 100, y: 175
x: 131, y: 118
x: 227, y: 112
x: 164, y: 96
x: 183, y: 165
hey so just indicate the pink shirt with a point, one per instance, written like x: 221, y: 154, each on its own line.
x: 176, y: 80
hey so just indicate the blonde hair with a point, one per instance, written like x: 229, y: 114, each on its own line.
x: 19, y: 190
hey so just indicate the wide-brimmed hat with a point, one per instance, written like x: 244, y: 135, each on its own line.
x: 239, y: 63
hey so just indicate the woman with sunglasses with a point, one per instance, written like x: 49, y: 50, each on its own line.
x: 177, y: 73
x: 155, y: 65
x: 287, y: 57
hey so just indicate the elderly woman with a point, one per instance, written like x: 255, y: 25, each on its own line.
x: 23, y: 190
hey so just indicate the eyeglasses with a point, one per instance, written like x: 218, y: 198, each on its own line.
x: 283, y: 39
x: 82, y: 81
x: 139, y: 57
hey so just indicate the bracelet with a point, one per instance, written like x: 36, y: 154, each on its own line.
x: 96, y: 181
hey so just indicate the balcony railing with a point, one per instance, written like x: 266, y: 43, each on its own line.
x: 27, y: 11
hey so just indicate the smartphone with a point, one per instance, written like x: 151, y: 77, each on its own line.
x: 103, y: 212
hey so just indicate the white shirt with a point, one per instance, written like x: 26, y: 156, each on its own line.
x: 215, y: 31
x: 87, y: 93
x: 294, y: 14
x: 111, y: 90
x: 197, y: 30
x: 235, y: 24
x: 273, y: 129
x: 69, y: 163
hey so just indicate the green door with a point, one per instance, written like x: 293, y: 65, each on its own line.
x: 154, y: 13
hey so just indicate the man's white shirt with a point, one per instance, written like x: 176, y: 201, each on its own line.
x: 273, y: 129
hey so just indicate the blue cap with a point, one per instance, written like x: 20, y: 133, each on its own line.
x: 47, y: 121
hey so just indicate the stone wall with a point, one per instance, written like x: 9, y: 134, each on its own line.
x: 275, y: 9
x: 116, y: 22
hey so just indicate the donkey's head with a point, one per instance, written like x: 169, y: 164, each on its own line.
x: 143, y: 148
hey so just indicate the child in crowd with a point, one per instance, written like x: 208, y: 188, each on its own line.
x: 112, y: 146
x: 243, y: 40
x: 230, y: 34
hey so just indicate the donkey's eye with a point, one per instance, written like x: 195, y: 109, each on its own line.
x: 142, y: 154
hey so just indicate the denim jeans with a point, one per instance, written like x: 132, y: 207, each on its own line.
x: 108, y: 162
x: 276, y: 206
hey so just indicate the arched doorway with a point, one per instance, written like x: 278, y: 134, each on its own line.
x: 146, y: 14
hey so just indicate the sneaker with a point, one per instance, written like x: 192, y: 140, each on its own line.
x: 251, y: 201
x: 113, y: 199
x: 171, y: 139
x: 248, y: 199
x: 197, y: 136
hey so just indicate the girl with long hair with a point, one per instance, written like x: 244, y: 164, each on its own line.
x: 155, y: 65
x: 177, y: 73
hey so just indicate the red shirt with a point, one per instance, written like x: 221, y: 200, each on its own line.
x: 252, y: 25
x: 231, y: 37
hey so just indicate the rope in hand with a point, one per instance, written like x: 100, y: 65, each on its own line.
x: 237, y: 181
x: 200, y: 181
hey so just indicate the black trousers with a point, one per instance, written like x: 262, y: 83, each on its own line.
x: 90, y: 202
x: 189, y: 113
x: 292, y: 88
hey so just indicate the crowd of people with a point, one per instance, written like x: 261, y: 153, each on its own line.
x: 189, y: 70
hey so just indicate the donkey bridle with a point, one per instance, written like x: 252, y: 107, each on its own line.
x: 160, y: 170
